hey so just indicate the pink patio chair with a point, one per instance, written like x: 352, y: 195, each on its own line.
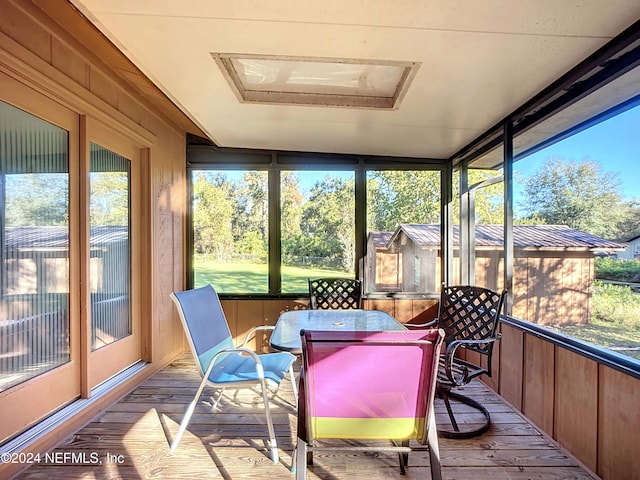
x: 222, y: 365
x: 368, y: 386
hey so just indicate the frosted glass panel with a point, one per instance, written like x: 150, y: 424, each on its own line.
x: 34, y: 234
x: 319, y: 77
x: 110, y: 257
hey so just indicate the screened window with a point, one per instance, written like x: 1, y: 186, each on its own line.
x: 231, y: 230
x: 34, y: 229
x: 318, y: 229
x: 403, y: 231
x: 269, y: 229
x: 583, y: 191
x: 478, y: 232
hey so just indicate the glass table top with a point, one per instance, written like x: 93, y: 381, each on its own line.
x: 286, y: 335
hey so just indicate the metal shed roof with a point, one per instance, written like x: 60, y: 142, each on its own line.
x: 525, y: 236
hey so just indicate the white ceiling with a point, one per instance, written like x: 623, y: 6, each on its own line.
x: 480, y: 60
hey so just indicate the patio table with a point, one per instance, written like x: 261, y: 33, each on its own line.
x: 286, y: 336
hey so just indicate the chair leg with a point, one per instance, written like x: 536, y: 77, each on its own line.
x: 463, y: 434
x: 403, y: 457
x: 434, y: 448
x: 214, y: 405
x: 273, y: 446
x: 301, y: 459
x: 292, y: 374
x: 187, y: 415
x: 447, y: 403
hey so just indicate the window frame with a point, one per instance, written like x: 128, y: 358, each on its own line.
x: 207, y: 157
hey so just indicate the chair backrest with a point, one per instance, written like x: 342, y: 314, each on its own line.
x: 204, y: 323
x: 335, y: 293
x: 470, y: 313
x: 360, y: 385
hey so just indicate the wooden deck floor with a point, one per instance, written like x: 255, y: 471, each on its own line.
x: 131, y: 441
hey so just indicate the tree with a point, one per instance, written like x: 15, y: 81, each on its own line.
x: 403, y: 197
x: 291, y: 203
x: 36, y: 199
x: 577, y: 194
x: 212, y: 215
x: 109, y: 198
x: 489, y: 200
x: 326, y: 222
x: 629, y: 226
x: 250, y: 216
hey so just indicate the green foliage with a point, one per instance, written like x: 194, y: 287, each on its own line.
x: 617, y: 270
x: 615, y: 320
x: 616, y: 304
x: 580, y: 195
x: 489, y: 199
x: 252, y: 244
x: 290, y: 205
x: 109, y: 198
x: 212, y: 216
x: 250, y: 216
x: 327, y: 223
x: 34, y: 199
x: 397, y: 197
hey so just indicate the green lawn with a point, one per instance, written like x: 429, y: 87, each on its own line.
x: 610, y: 335
x: 253, y: 278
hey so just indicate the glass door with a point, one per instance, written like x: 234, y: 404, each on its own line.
x: 70, y: 260
x: 39, y: 329
x: 115, y: 337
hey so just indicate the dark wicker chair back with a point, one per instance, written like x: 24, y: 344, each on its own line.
x: 334, y: 293
x: 470, y: 313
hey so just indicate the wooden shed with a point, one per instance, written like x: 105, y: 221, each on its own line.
x: 553, y: 266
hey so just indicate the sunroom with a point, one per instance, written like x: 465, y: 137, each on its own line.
x: 153, y: 147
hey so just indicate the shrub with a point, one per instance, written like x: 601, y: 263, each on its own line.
x: 616, y: 304
x: 617, y: 270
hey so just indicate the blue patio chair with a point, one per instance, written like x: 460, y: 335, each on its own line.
x: 220, y: 363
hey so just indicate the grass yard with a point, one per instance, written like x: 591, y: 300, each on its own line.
x: 615, y: 322
x: 253, y: 278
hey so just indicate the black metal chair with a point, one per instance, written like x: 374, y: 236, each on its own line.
x: 469, y: 316
x: 335, y: 293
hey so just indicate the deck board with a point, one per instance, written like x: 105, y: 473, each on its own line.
x: 131, y: 441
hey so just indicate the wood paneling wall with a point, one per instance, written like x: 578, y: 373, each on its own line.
x: 50, y: 48
x: 589, y: 408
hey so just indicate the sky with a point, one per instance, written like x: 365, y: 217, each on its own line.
x: 614, y: 144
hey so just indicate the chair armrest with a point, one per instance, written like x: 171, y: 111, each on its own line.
x: 432, y: 323
x: 248, y: 351
x: 253, y: 331
x: 450, y: 355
